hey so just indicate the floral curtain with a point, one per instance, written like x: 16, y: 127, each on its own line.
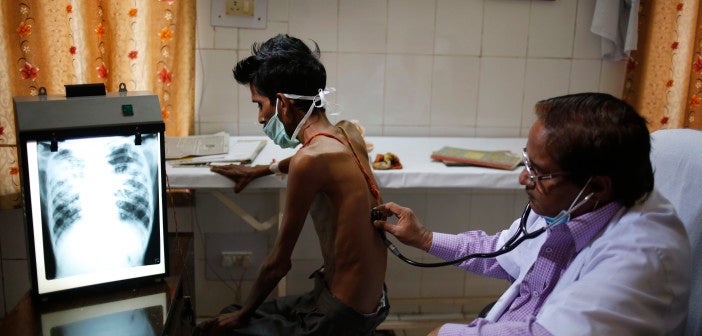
x: 694, y: 96
x: 149, y: 45
x: 664, y: 74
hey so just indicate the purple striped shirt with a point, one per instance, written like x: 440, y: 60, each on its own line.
x: 560, y: 247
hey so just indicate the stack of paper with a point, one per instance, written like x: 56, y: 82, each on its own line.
x: 210, y: 150
x: 196, y: 145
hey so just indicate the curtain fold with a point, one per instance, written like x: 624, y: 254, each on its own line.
x: 694, y: 98
x: 664, y: 75
x: 148, y: 45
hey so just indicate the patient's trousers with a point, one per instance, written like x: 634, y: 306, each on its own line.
x: 317, y: 312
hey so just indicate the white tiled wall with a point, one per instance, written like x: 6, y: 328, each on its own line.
x: 418, y: 67
x: 401, y: 67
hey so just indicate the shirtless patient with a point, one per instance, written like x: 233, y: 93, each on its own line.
x: 329, y: 177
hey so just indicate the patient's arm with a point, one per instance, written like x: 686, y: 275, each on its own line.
x: 242, y: 174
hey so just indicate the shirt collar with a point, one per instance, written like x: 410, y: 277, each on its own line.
x: 584, y: 227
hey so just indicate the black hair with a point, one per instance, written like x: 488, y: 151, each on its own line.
x: 596, y: 134
x: 283, y: 64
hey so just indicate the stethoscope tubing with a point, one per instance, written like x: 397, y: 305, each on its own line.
x: 510, y: 245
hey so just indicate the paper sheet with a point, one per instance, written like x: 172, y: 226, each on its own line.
x: 240, y: 151
x: 197, y: 145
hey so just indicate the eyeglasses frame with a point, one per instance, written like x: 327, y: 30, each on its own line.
x: 531, y: 172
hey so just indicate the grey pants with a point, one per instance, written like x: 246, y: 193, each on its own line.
x: 317, y: 312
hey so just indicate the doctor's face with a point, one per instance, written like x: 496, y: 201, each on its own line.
x: 547, y: 197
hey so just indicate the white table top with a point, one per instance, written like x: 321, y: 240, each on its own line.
x: 419, y: 171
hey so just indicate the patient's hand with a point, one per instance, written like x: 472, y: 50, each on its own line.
x: 222, y: 323
x: 241, y: 174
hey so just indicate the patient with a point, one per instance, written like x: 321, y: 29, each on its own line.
x: 328, y: 177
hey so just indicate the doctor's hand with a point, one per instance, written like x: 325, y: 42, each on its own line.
x: 241, y: 174
x: 408, y: 229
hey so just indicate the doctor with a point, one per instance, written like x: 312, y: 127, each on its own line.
x: 618, y: 264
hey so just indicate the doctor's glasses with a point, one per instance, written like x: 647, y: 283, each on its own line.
x: 531, y: 171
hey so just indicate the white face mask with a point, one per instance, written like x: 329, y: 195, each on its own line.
x: 275, y: 130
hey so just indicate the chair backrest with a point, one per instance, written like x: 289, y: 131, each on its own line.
x: 676, y: 156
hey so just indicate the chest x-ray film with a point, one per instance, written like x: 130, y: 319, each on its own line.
x: 94, y: 201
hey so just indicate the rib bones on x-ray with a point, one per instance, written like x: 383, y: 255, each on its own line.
x: 98, y: 195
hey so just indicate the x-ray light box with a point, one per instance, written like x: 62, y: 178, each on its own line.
x: 92, y: 171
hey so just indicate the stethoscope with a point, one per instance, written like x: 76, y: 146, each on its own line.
x: 517, y: 238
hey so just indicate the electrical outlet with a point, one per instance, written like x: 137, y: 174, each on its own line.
x: 236, y: 259
x: 239, y: 13
x: 235, y: 256
x: 239, y: 7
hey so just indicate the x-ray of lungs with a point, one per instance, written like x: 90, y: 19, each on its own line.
x: 99, y: 200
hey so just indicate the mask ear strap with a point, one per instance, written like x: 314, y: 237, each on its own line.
x: 317, y: 101
x: 570, y: 209
x: 564, y: 214
x: 302, y: 122
x: 575, y: 205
